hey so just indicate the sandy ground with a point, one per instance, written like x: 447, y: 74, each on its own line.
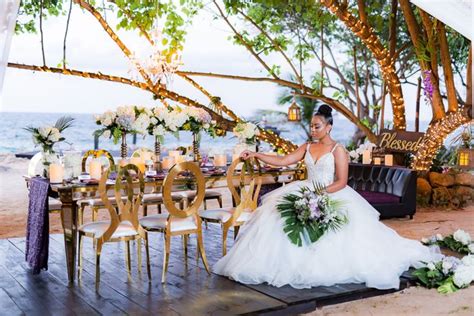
x: 411, y: 301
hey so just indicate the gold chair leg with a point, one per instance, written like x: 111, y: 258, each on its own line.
x: 236, y: 231
x: 219, y: 200
x: 225, y: 230
x: 80, y: 215
x: 202, y: 251
x: 97, y: 270
x: 79, y: 272
x: 139, y: 253
x: 127, y: 257
x: 166, y: 255
x: 95, y: 211
x: 145, y: 209
x: 147, y: 250
x: 159, y: 208
x: 185, y: 246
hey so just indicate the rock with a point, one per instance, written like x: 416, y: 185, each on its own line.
x: 464, y: 193
x: 441, y: 179
x: 423, y: 191
x: 441, y: 196
x: 465, y: 179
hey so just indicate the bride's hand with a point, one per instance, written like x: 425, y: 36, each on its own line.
x: 247, y: 154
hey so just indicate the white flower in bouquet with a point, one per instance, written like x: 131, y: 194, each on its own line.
x: 471, y: 248
x: 106, y: 134
x: 447, y: 265
x: 439, y: 237
x: 44, y: 131
x: 125, y: 110
x: 431, y: 266
x: 354, y: 155
x: 159, y: 130
x: 468, y: 260
x: 425, y: 240
x: 246, y: 131
x: 463, y: 276
x: 141, y: 123
x: 462, y: 236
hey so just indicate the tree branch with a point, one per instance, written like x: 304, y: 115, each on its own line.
x: 447, y: 70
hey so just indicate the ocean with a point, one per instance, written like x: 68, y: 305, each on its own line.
x: 14, y: 139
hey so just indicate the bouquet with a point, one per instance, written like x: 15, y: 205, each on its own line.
x: 246, y: 132
x: 448, y: 274
x: 47, y: 136
x: 460, y: 241
x: 158, y: 126
x: 127, y: 119
x: 309, y: 213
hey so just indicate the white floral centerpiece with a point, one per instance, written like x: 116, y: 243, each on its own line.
x: 125, y: 120
x: 356, y: 154
x: 47, y: 137
x: 247, y: 134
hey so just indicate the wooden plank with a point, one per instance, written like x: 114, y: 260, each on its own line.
x: 7, y: 304
x: 106, y: 302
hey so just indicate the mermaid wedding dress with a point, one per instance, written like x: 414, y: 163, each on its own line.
x: 363, y: 251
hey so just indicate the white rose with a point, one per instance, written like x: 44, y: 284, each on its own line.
x: 439, y: 237
x: 463, y: 276
x: 54, y: 135
x: 462, y: 236
x: 44, y: 131
x: 206, y: 126
x: 425, y: 240
x: 468, y: 261
x: 159, y: 130
x: 447, y: 265
x: 431, y: 266
x: 471, y: 248
x: 106, y: 134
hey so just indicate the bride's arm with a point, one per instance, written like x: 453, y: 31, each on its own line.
x: 286, y: 160
x: 342, y: 170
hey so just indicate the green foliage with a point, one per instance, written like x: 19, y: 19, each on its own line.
x: 444, y: 157
x: 29, y: 12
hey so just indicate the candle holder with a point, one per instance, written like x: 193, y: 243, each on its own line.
x: 123, y: 146
x: 196, y: 155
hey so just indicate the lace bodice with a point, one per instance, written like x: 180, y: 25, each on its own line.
x: 323, y: 170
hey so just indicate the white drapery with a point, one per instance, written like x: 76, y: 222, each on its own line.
x: 8, y: 15
x: 454, y: 13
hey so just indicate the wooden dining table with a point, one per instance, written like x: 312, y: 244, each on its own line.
x: 69, y: 193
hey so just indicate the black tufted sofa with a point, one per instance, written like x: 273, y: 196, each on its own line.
x: 390, y: 190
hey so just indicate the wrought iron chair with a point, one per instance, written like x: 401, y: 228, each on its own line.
x: 245, y: 186
x: 179, y: 222
x: 123, y: 224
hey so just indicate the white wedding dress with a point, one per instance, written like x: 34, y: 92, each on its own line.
x: 363, y: 251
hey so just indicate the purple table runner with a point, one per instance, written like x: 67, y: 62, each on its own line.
x: 37, y: 229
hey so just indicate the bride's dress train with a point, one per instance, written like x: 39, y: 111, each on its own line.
x: 362, y: 251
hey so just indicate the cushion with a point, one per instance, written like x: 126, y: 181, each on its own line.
x: 158, y: 221
x: 158, y: 197
x: 208, y: 194
x: 98, y: 201
x: 379, y: 197
x: 125, y: 229
x: 224, y: 215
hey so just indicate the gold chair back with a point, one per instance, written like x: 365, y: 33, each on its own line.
x: 96, y: 154
x: 244, y: 184
x: 126, y: 209
x: 192, y: 208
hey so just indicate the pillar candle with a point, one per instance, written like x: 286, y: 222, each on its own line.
x: 56, y: 173
x: 377, y: 161
x: 220, y: 160
x: 139, y: 162
x: 174, y: 153
x: 366, y: 157
x: 95, y: 169
x: 389, y: 160
x: 168, y: 162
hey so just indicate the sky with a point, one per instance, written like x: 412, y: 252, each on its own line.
x: 206, y: 49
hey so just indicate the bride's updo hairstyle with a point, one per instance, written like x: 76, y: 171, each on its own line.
x: 325, y: 111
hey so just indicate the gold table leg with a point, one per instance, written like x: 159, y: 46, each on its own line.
x: 69, y: 222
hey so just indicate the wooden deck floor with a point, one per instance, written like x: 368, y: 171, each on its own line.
x: 189, y: 289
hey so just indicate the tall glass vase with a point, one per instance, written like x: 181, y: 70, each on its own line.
x: 196, y: 154
x: 123, y: 146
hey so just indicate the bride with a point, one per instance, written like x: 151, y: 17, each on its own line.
x: 363, y: 250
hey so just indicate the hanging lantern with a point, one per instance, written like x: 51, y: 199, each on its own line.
x: 294, y: 112
x: 466, y: 158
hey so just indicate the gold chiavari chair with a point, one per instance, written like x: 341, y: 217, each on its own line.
x: 94, y: 203
x: 123, y: 224
x: 244, y: 186
x: 179, y: 222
